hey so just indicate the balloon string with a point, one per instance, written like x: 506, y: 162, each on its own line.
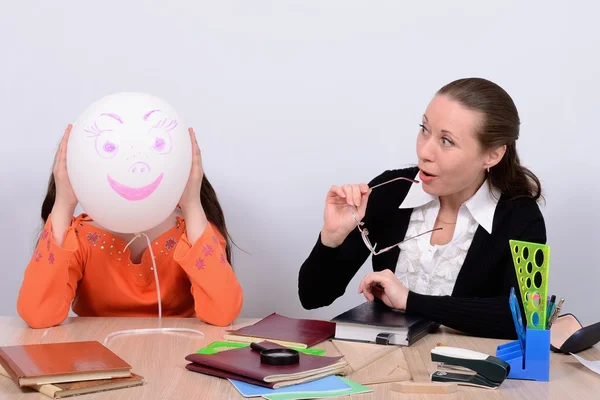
x: 137, y: 235
x: 160, y: 329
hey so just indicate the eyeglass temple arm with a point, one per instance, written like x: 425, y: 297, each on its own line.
x: 412, y: 237
x: 376, y: 186
x: 392, y: 180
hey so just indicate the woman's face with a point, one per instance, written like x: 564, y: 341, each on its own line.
x: 450, y: 157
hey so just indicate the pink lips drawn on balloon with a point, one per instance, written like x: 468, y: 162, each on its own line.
x: 134, y: 194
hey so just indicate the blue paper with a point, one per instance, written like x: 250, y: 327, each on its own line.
x: 327, y: 384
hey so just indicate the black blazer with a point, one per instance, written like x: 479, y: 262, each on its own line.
x: 479, y: 302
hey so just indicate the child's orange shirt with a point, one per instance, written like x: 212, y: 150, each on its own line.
x: 93, y: 272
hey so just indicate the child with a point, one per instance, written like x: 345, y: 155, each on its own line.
x: 77, y: 261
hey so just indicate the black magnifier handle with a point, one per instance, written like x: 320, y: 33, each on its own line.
x: 257, y: 347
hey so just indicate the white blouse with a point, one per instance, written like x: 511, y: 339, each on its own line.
x: 432, y: 269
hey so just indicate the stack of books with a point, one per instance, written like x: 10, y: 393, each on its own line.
x: 61, y: 370
x: 244, y: 364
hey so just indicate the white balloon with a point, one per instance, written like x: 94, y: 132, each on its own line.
x: 129, y: 158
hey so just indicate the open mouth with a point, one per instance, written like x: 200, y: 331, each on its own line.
x: 131, y: 193
x: 426, y: 177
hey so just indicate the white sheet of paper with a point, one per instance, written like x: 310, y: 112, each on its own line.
x: 593, y: 365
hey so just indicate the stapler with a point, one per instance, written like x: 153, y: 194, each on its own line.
x: 481, y: 370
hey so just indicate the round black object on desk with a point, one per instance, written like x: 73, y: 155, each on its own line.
x: 276, y: 356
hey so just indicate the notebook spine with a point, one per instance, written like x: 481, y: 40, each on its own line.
x: 10, y: 367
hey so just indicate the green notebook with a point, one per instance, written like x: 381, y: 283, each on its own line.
x: 216, y: 347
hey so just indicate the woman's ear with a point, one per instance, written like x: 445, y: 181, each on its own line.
x: 494, y: 156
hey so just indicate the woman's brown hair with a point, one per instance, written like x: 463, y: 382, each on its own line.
x: 500, y: 127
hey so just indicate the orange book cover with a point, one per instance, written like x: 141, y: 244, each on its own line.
x: 39, y: 364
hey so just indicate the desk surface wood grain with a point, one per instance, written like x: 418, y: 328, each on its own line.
x: 159, y: 358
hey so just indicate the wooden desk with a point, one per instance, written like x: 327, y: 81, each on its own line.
x: 160, y: 359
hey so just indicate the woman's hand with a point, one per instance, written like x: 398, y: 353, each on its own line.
x: 339, y: 205
x: 386, y: 286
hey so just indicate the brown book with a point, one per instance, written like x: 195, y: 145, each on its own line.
x: 68, y: 389
x: 244, y: 364
x: 40, y: 364
x: 290, y: 332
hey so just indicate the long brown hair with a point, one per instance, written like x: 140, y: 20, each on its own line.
x: 500, y: 127
x: 208, y: 198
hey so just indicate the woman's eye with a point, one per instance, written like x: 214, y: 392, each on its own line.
x: 447, y: 142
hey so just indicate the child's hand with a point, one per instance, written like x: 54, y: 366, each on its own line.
x: 191, y: 195
x: 65, y: 196
x: 193, y: 213
x: 65, y: 200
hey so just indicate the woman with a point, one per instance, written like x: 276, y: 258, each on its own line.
x: 473, y: 197
x: 79, y: 262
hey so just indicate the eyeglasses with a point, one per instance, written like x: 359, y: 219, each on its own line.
x: 365, y: 233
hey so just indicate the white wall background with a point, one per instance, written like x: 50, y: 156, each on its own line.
x: 289, y: 97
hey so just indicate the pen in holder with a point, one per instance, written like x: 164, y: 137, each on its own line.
x: 529, y: 356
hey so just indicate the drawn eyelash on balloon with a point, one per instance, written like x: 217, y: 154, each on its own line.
x: 95, y: 131
x: 172, y: 124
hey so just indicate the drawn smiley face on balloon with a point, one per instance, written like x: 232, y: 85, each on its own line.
x: 129, y: 158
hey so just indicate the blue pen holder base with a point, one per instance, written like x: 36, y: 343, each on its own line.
x: 536, y: 363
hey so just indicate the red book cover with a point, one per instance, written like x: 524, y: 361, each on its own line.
x: 277, y: 327
x: 244, y: 364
